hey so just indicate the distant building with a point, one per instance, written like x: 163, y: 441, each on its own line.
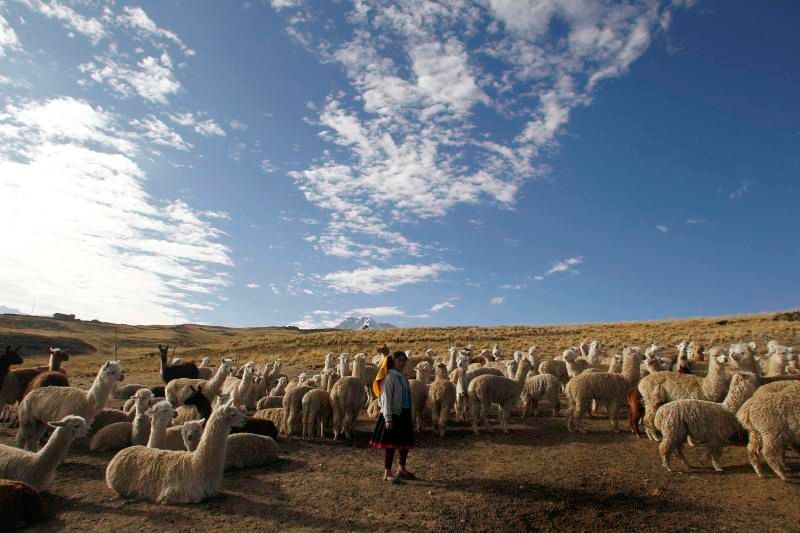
x: 63, y: 316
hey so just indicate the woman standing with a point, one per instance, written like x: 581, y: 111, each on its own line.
x: 394, y: 429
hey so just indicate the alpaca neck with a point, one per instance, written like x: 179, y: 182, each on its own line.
x: 210, y: 453
x: 215, y: 383
x: 54, y: 363
x: 522, y: 374
x: 99, y: 393
x: 451, y: 363
x: 358, y: 369
x: 158, y: 432
x: 737, y: 396
x: 247, y: 379
x: 715, y: 379
x: 631, y: 369
x: 49, y: 457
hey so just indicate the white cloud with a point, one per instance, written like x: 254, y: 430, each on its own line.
x: 283, y: 4
x: 159, y: 133
x: 384, y: 311
x: 152, y: 78
x: 87, y: 26
x: 267, y: 166
x: 238, y: 125
x: 741, y: 191
x: 695, y: 221
x: 206, y: 128
x: 441, y: 307
x: 497, y: 300
x: 565, y: 265
x: 538, y: 277
x: 376, y: 280
x: 95, y: 243
x: 662, y: 228
x: 209, y: 128
x: 409, y: 142
x: 253, y: 286
x: 8, y: 37
x: 513, y: 287
x: 137, y: 19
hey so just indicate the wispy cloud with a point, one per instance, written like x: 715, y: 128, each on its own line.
x: 407, y: 137
x: 253, y: 286
x: 97, y: 244
x: 137, y: 19
x: 662, y: 228
x: 695, y: 221
x: 565, y: 266
x: 90, y: 27
x: 159, y: 133
x: 441, y: 307
x: 383, y: 311
x: 8, y: 37
x: 497, y: 300
x: 741, y: 191
x: 267, y: 166
x: 151, y: 78
x: 376, y: 280
x: 205, y: 127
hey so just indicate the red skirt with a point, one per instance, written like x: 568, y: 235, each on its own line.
x: 400, y: 437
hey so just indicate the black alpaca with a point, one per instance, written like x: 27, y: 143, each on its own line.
x: 252, y: 425
x: 181, y: 370
x: 11, y: 357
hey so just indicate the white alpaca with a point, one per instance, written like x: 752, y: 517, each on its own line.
x: 317, y: 413
x: 486, y: 390
x: 702, y: 422
x: 191, y: 433
x: 179, y: 389
x: 347, y: 397
x: 441, y: 398
x: 165, y: 476
x: 49, y: 404
x: 205, y: 370
x: 419, y: 393
x: 662, y: 387
x: 38, y: 469
x: 541, y: 387
x: 161, y: 415
x: 280, y: 388
x: 605, y: 388
x: 239, y: 388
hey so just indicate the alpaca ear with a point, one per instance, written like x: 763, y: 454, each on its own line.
x: 202, y: 422
x: 56, y: 424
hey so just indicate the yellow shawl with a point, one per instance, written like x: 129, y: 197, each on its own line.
x: 383, y: 371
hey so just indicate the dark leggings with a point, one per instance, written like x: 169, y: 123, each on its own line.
x: 388, y: 458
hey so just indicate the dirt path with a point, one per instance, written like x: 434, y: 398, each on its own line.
x: 537, y: 477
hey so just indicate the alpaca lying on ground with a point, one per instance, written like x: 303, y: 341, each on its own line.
x: 18, y: 502
x: 38, y: 469
x: 165, y: 476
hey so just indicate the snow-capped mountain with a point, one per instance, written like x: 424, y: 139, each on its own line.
x: 359, y: 323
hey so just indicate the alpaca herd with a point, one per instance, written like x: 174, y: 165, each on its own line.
x: 172, y: 444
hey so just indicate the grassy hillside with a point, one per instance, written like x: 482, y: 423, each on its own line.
x: 91, y: 342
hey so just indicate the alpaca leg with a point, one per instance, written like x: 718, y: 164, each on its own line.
x: 474, y: 408
x: 505, y: 414
x: 443, y: 421
x: 26, y: 435
x: 772, y: 448
x: 434, y: 417
x: 682, y: 457
x: 649, y: 421
x: 556, y: 407
x: 525, y: 404
x: 665, y: 448
x: 485, y: 407
x: 753, y: 447
x: 535, y: 403
x: 716, y: 454
x: 612, y: 408
x: 337, y: 421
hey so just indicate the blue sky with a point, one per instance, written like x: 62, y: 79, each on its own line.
x: 426, y: 163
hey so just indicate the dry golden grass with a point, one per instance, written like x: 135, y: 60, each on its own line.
x: 93, y: 342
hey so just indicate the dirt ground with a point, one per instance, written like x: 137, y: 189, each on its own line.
x: 537, y: 477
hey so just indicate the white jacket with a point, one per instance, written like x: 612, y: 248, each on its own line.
x: 392, y: 394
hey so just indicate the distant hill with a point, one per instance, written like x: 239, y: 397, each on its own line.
x: 358, y: 323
